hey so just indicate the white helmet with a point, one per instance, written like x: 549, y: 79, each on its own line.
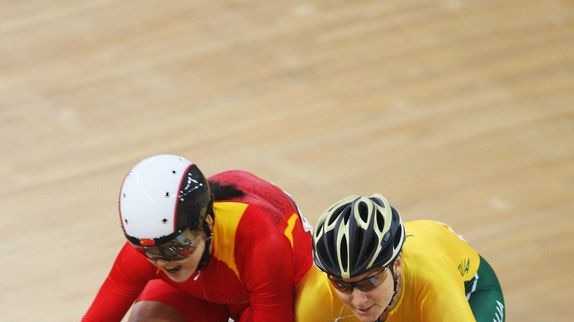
x: 160, y: 197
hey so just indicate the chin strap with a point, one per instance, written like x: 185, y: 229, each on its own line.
x: 206, y: 254
x: 207, y: 250
x: 396, y: 281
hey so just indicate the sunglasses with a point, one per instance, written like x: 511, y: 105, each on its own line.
x: 365, y: 285
x: 179, y: 248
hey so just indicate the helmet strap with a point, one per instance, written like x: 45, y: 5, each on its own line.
x: 206, y: 254
x: 207, y: 250
x: 396, y: 283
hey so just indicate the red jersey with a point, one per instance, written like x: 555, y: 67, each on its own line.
x: 261, y: 248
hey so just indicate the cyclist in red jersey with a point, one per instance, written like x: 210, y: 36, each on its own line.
x: 229, y: 247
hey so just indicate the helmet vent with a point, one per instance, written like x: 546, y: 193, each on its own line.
x: 318, y: 230
x: 380, y: 221
x: 364, y: 212
x: 378, y: 201
x: 344, y: 256
x: 173, y: 171
x: 167, y: 193
x: 331, y: 220
x: 164, y: 220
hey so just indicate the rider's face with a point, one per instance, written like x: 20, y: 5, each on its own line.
x: 369, y: 304
x: 179, y: 270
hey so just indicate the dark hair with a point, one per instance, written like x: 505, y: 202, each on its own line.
x: 224, y: 192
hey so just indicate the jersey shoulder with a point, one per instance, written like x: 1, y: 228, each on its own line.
x: 434, y: 248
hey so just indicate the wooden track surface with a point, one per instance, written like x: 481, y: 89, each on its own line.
x: 461, y: 111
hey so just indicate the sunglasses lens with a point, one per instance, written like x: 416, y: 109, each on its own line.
x: 166, y: 253
x: 365, y: 285
x: 342, y: 286
x: 368, y: 284
x: 177, y: 249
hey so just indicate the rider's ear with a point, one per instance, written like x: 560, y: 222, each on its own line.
x: 398, y: 262
x: 209, y: 221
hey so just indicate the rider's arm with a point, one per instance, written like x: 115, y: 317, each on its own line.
x: 125, y: 281
x: 268, y: 276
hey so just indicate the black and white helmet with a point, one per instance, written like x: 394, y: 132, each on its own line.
x: 161, y: 197
x: 357, y: 234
